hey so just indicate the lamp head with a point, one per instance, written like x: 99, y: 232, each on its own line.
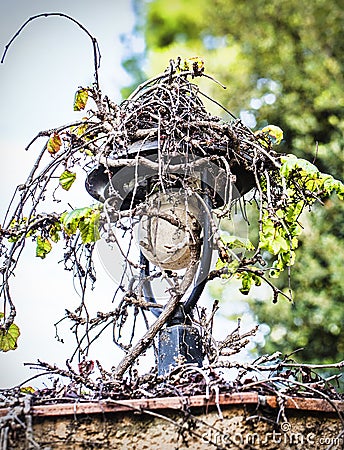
x: 132, y: 184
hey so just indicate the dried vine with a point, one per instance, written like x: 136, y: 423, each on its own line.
x: 165, y: 114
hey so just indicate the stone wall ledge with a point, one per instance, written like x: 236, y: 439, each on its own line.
x: 245, y: 398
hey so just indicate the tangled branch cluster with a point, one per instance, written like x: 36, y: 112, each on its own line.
x: 166, y: 115
x: 268, y: 376
x: 167, y: 110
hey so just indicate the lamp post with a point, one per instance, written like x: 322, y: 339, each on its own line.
x: 175, y: 222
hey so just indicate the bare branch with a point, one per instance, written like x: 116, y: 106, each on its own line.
x: 96, y: 53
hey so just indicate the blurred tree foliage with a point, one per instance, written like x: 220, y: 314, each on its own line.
x: 315, y: 321
x: 283, y: 63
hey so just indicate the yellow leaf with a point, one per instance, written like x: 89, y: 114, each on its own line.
x: 195, y: 64
x: 27, y: 390
x: 43, y: 247
x: 8, y: 339
x: 274, y: 133
x: 54, y: 144
x: 80, y: 99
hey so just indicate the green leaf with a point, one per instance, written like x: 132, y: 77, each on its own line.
x: 292, y: 162
x: 66, y: 179
x: 257, y: 279
x: 246, y: 282
x: 43, y: 247
x: 332, y: 185
x: 340, y: 192
x: 294, y: 210
x: 86, y: 220
x: 281, y: 244
x: 8, y: 339
x: 70, y: 220
x: 220, y: 264
x: 89, y: 228
x: 231, y: 266
x: 54, y: 232
x: 54, y: 144
x: 315, y: 182
x: 274, y: 273
x: 80, y: 99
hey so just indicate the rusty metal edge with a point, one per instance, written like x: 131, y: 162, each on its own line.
x: 175, y: 403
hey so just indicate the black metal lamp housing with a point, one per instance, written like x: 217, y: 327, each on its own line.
x: 103, y: 182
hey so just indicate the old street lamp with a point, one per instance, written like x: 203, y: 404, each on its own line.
x: 172, y: 186
x: 175, y: 222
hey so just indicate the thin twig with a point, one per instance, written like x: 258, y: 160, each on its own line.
x: 96, y: 53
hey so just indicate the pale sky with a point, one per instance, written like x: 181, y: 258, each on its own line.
x: 41, y: 73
